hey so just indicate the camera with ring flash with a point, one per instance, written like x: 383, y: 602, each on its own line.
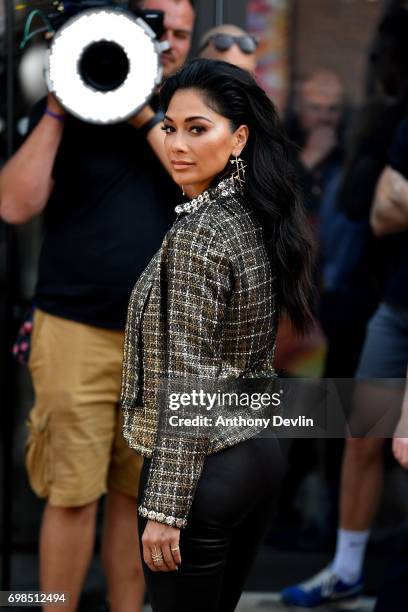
x: 103, y: 62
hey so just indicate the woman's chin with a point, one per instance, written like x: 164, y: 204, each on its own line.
x: 177, y: 179
x: 181, y: 178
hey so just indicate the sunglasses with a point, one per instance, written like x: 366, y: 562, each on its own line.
x: 223, y: 42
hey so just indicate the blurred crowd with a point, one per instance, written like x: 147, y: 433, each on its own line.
x: 353, y: 175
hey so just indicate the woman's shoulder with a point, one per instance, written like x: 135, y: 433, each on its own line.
x: 198, y: 232
x: 225, y: 231
x: 218, y: 219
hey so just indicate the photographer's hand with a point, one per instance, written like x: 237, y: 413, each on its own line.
x: 54, y: 106
x: 142, y: 117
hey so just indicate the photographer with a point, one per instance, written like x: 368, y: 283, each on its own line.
x: 107, y: 203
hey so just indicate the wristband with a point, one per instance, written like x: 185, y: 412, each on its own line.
x: 149, y: 125
x: 57, y: 116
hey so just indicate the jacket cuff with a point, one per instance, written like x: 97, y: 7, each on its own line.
x: 173, y: 476
x: 159, y: 517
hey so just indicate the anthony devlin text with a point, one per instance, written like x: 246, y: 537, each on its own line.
x: 240, y: 421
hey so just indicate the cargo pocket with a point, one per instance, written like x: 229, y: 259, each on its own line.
x: 38, y: 454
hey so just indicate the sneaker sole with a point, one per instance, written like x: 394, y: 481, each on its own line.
x: 341, y: 606
x: 351, y: 604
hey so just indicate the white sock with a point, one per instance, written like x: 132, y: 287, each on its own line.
x: 349, y: 557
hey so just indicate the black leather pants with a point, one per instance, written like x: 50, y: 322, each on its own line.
x: 232, y: 507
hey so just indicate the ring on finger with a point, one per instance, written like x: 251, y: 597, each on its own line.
x: 157, y: 557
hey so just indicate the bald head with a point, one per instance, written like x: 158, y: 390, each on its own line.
x: 320, y: 100
x: 233, y: 55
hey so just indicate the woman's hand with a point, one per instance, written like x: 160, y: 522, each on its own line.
x: 161, y: 551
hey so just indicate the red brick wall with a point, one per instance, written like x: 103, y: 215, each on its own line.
x: 334, y: 34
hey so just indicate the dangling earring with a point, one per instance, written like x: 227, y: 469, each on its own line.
x: 182, y: 189
x: 239, y: 173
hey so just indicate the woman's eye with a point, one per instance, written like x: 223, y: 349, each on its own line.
x: 197, y: 129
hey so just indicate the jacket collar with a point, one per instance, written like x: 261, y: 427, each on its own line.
x: 226, y: 187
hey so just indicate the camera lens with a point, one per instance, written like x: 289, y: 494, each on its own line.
x: 104, y: 65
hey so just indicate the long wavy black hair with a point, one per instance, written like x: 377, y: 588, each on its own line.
x: 270, y: 184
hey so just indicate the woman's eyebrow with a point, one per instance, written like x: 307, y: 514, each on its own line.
x: 189, y: 119
x: 198, y: 117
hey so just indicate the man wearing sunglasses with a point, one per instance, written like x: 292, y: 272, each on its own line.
x: 230, y: 44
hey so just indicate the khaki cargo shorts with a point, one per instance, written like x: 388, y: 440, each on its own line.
x: 75, y: 450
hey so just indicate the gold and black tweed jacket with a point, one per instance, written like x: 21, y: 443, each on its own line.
x: 203, y: 308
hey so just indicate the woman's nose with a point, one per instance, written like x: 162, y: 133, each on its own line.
x: 178, y: 142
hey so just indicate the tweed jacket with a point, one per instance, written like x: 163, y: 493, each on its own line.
x: 204, y: 307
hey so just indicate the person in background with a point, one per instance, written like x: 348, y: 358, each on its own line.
x: 229, y: 44
x: 107, y: 200
x: 364, y: 265
x: 384, y: 356
x: 315, y: 126
x: 393, y: 593
x: 400, y: 439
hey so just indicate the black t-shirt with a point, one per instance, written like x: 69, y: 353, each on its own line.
x: 109, y: 210
x: 397, y: 289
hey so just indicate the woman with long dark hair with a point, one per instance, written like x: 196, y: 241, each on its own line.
x: 205, y: 312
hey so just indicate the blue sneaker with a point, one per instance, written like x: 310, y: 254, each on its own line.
x: 323, y: 588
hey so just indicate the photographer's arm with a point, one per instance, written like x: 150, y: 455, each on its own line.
x: 389, y: 213
x: 155, y: 136
x: 26, y: 180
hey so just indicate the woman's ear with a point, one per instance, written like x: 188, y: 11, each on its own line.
x: 241, y: 136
